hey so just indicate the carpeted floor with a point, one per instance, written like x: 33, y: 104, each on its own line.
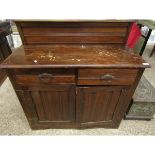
x: 13, y: 120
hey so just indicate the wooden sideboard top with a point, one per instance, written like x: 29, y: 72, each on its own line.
x: 73, y: 20
x: 74, y: 56
x: 71, y: 44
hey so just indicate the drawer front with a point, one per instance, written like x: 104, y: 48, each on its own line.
x: 106, y: 76
x: 45, y: 76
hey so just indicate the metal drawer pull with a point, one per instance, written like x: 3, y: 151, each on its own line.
x: 45, y: 77
x: 107, y: 77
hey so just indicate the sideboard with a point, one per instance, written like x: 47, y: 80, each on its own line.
x: 74, y: 74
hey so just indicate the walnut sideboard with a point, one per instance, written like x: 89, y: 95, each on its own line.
x: 74, y: 74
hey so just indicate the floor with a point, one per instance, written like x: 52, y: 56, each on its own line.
x: 13, y: 120
x: 150, y: 72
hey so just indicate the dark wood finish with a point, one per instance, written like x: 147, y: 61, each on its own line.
x: 121, y: 110
x: 97, y: 105
x: 74, y: 56
x: 73, y: 32
x: 66, y: 77
x: 106, y: 76
x: 5, y: 51
x: 45, y: 77
x: 42, y: 78
x: 33, y: 98
x: 52, y: 103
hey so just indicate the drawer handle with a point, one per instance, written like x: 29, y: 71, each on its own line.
x: 45, y: 77
x: 107, y: 77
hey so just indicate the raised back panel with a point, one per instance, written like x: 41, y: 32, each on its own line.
x: 43, y: 32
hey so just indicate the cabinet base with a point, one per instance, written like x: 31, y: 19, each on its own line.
x: 35, y: 125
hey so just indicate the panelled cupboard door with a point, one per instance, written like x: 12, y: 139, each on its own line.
x: 96, y: 106
x: 52, y: 103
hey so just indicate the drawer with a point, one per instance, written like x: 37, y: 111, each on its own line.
x: 44, y: 76
x: 106, y: 76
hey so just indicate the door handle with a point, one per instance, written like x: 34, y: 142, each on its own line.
x: 107, y: 77
x: 45, y: 77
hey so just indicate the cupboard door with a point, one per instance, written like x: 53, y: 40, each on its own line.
x: 96, y: 106
x: 52, y: 103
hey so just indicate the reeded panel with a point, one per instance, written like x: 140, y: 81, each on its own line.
x: 97, y: 104
x: 35, y: 32
x: 56, y: 104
